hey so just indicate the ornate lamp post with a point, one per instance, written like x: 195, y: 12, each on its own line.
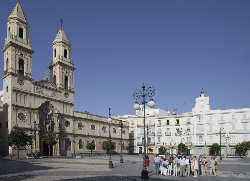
x: 221, y: 129
x: 138, y: 95
x: 181, y: 132
x: 121, y: 128
x: 227, y: 139
x: 110, y: 121
x: 172, y: 142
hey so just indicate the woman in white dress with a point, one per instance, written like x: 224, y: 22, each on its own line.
x: 195, y: 166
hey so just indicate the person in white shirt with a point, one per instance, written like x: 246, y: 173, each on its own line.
x: 182, y: 167
x: 187, y: 166
x: 175, y: 163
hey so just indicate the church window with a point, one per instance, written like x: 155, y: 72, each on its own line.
x: 93, y: 127
x: 7, y: 89
x: 67, y: 123
x: 80, y: 144
x: 16, y: 96
x: 65, y: 53
x: 80, y: 126
x: 55, y: 52
x: 21, y: 67
x: 55, y: 79
x: 24, y: 99
x: 104, y: 129
x: 114, y: 130
x: 7, y: 62
x: 66, y: 82
x: 21, y: 33
x: 8, y: 32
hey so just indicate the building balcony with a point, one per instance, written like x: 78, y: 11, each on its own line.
x: 159, y: 143
x: 200, y: 143
x: 210, y: 122
x: 167, y: 124
x: 177, y: 124
x: 237, y: 131
x: 159, y: 133
x: 151, y: 124
x: 140, y: 143
x: 188, y: 143
x: 232, y: 121
x: 167, y: 133
x: 200, y: 122
x: 159, y: 125
x: 188, y: 122
x: 245, y: 120
x: 200, y: 132
x: 221, y: 121
x: 151, y: 143
x: 140, y: 125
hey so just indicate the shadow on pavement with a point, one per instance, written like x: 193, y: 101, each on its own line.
x: 8, y: 166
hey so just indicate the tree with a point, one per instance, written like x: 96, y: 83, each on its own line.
x: 182, y: 147
x: 129, y: 148
x: 49, y: 138
x: 17, y: 138
x: 105, y: 146
x: 162, y: 149
x: 243, y: 147
x: 90, y: 146
x: 215, y: 147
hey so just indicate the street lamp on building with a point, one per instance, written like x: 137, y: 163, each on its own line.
x: 121, y: 128
x: 110, y: 121
x: 142, y: 96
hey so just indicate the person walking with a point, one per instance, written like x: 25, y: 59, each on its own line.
x: 203, y: 166
x: 175, y: 163
x: 182, y: 167
x: 211, y: 166
x: 170, y: 161
x: 195, y: 166
x: 165, y: 166
x: 187, y: 166
x: 216, y: 165
x: 157, y: 163
x: 161, y: 166
x: 147, y: 163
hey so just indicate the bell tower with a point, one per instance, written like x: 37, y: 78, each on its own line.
x: 17, y: 48
x: 61, y: 66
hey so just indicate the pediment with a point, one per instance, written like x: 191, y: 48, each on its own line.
x: 45, y: 83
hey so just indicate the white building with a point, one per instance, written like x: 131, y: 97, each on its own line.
x: 198, y: 129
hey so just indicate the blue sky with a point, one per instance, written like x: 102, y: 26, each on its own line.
x: 177, y: 47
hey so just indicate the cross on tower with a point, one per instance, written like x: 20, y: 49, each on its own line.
x: 61, y: 23
x: 46, y: 74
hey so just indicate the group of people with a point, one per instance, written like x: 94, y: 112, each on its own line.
x: 184, y: 166
x: 35, y: 155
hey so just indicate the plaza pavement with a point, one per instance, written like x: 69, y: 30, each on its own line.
x: 96, y: 168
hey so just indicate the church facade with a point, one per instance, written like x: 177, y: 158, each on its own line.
x: 47, y: 105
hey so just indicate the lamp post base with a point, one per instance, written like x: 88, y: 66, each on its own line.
x: 144, y: 174
x: 110, y: 164
x: 121, y: 160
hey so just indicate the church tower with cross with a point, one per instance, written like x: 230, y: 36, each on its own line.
x: 61, y: 66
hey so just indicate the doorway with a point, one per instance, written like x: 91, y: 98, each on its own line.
x: 46, y: 150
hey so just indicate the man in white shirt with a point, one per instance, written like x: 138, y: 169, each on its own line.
x: 182, y: 167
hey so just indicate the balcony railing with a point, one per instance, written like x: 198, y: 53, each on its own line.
x: 177, y: 124
x: 159, y: 133
x: 188, y: 122
x: 210, y: 122
x: 167, y: 124
x: 159, y: 143
x: 151, y: 124
x: 200, y: 122
x: 140, y: 143
x: 245, y: 120
x: 151, y: 143
x: 167, y: 133
x: 200, y: 131
x: 151, y: 134
x: 159, y: 125
x: 221, y: 121
x: 140, y: 125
